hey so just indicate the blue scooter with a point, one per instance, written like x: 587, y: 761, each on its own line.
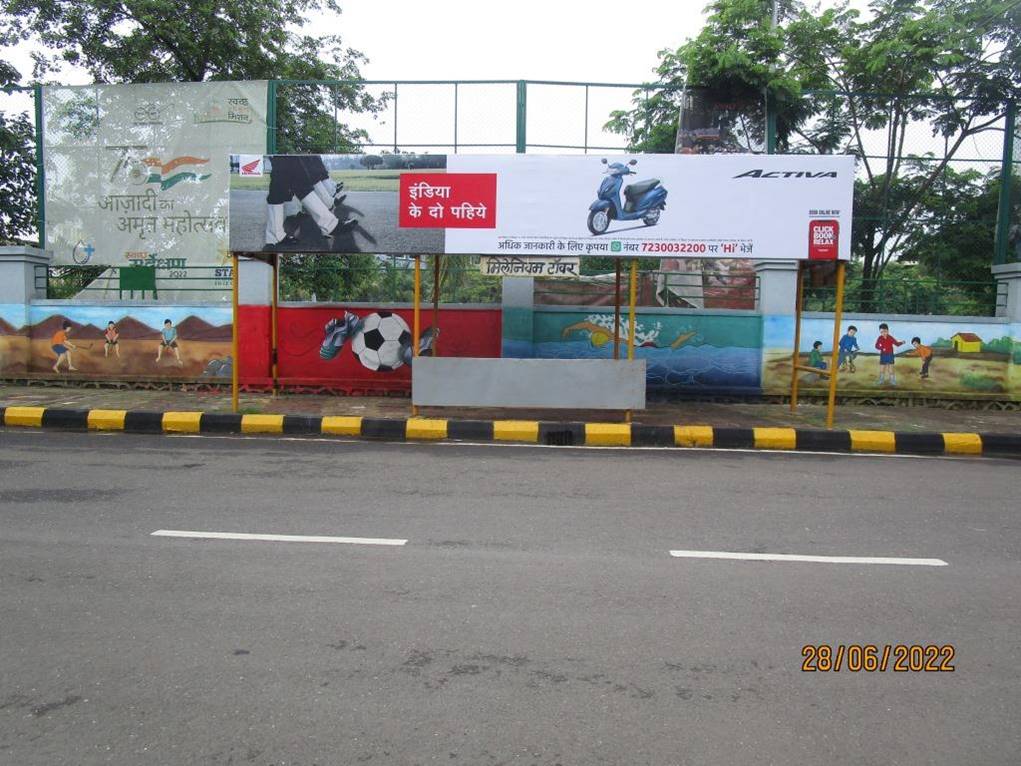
x: 644, y: 200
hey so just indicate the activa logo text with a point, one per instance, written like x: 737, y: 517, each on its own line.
x: 760, y: 173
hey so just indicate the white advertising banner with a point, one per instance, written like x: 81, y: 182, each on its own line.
x: 512, y: 206
x: 664, y: 205
x: 135, y: 174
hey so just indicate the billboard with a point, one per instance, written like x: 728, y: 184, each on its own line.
x: 660, y: 205
x: 135, y: 173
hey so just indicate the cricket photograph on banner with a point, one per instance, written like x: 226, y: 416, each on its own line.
x: 631, y: 206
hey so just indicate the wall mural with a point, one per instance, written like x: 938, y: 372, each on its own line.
x: 116, y: 341
x: 369, y: 344
x: 681, y: 351
x: 907, y: 355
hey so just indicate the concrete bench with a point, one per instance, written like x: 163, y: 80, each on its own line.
x: 578, y: 384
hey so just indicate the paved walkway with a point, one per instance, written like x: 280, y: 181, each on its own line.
x: 851, y: 416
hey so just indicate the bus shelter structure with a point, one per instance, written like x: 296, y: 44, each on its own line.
x: 804, y: 267
x: 273, y: 260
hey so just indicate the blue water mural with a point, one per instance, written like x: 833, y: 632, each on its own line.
x: 682, y: 351
x: 722, y: 369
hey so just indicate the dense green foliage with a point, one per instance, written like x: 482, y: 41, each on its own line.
x: 17, y: 169
x: 946, y: 66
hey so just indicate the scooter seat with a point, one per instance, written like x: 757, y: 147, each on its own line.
x: 637, y: 190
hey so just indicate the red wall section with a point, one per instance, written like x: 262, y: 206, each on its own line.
x: 463, y: 332
x: 254, y: 344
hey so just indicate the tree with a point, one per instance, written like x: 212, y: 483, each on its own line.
x: 372, y: 161
x: 947, y: 65
x: 193, y: 41
x: 17, y: 169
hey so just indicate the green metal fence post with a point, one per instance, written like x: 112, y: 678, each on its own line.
x: 40, y: 168
x: 1006, y: 177
x: 271, y: 117
x: 521, y: 140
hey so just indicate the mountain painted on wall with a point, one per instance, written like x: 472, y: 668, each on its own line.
x: 190, y: 328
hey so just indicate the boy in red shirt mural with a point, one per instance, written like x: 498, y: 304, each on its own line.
x: 885, y: 343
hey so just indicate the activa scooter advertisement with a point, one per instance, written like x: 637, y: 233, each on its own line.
x: 629, y: 206
x: 643, y: 201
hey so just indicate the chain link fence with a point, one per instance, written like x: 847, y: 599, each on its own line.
x: 938, y: 191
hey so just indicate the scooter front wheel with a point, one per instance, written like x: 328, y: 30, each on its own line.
x: 598, y: 221
x: 652, y: 217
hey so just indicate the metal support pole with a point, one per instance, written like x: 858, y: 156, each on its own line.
x: 455, y: 118
x: 632, y: 298
x: 586, y: 119
x: 770, y: 124
x: 632, y: 328
x: 837, y: 315
x: 1006, y: 168
x: 235, y: 362
x: 797, y: 340
x: 521, y: 134
x: 271, y: 117
x: 395, y: 118
x: 40, y: 168
x: 274, y: 371
x: 416, y: 322
x: 616, y: 311
x: 436, y: 301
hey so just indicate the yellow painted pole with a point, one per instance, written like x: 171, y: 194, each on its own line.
x: 416, y: 322
x: 616, y: 310
x: 273, y: 321
x: 838, y: 311
x: 234, y: 333
x: 632, y: 297
x: 632, y: 328
x: 436, y: 301
x: 797, y: 340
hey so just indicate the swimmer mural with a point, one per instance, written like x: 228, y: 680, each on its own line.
x: 682, y: 352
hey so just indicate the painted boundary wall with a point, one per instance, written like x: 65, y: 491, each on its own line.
x: 687, y: 352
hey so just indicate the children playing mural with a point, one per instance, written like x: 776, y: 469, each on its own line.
x: 886, y: 343
x: 848, y: 350
x: 168, y: 339
x: 111, y: 337
x: 952, y: 362
x: 87, y: 342
x: 62, y: 347
x: 924, y: 353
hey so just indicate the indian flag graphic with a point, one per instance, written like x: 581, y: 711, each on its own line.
x: 171, y: 172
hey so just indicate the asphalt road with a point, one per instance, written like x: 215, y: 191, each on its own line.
x: 535, y: 615
x: 376, y: 232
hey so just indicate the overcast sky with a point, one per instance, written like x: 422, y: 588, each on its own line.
x: 606, y: 41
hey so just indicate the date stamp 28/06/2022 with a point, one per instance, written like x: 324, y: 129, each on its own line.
x: 878, y: 658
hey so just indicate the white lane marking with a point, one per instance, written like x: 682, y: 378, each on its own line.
x: 277, y: 538
x: 814, y: 559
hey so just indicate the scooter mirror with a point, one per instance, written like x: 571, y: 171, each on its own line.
x: 604, y: 160
x: 633, y: 162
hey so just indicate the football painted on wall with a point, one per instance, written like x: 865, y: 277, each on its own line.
x: 632, y: 206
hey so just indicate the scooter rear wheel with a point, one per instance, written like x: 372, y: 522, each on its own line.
x: 598, y: 221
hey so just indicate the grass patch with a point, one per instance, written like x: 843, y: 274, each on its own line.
x: 980, y: 382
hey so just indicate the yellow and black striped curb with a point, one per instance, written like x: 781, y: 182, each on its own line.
x: 527, y: 431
